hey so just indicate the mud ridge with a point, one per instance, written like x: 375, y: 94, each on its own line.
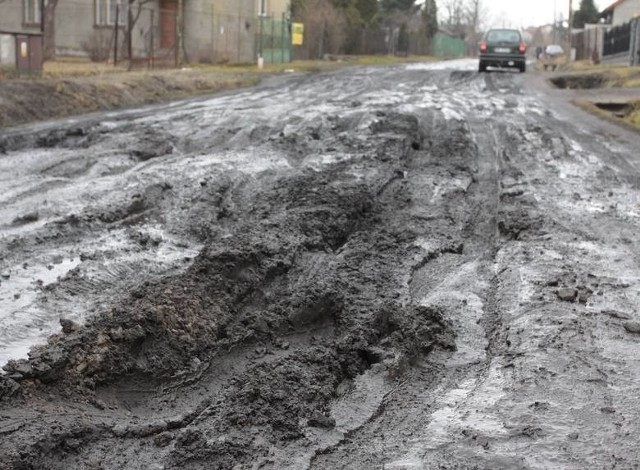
x: 310, y: 258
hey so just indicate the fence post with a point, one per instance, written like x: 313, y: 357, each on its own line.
x: 238, y: 45
x: 282, y: 39
x: 129, y: 34
x: 260, y: 37
x: 273, y: 33
x: 214, y: 32
x: 115, y: 45
x: 321, y: 45
x: 637, y: 57
x: 176, y: 41
x: 151, y: 43
x: 635, y: 43
x: 179, y: 33
x: 570, y: 32
x: 290, y: 38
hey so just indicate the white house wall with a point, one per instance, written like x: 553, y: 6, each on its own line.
x: 626, y: 11
x: 7, y: 50
x: 214, y: 30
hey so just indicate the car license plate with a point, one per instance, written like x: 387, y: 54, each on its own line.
x: 503, y: 50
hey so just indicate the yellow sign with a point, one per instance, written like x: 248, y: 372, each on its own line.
x: 297, y: 34
x: 24, y: 50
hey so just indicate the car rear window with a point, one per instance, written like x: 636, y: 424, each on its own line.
x: 503, y: 35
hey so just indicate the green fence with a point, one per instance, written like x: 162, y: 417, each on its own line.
x: 447, y: 46
x: 273, y: 41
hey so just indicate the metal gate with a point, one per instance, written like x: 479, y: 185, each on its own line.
x: 273, y: 40
x: 617, y: 40
x: 635, y: 42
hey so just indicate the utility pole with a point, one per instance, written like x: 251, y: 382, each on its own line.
x: 180, y: 32
x: 42, y: 7
x: 115, y: 33
x: 555, y: 22
x: 42, y: 42
x: 129, y: 33
x: 570, y: 31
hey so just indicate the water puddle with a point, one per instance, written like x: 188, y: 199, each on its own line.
x: 22, y: 322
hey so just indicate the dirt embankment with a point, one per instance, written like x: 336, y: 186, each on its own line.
x: 612, y: 93
x: 28, y: 100
x: 71, y: 87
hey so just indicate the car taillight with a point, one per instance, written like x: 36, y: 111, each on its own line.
x: 522, y: 48
x: 483, y: 46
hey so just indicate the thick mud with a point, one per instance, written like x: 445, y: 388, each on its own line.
x: 581, y: 82
x: 396, y: 267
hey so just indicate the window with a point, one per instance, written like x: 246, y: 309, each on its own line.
x: 503, y: 35
x: 106, y: 12
x: 32, y: 11
x: 262, y: 7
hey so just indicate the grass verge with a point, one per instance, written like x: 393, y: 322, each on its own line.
x: 619, y: 76
x: 630, y: 120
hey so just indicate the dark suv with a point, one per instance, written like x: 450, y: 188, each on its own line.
x: 503, y: 48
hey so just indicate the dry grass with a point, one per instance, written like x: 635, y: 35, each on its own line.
x: 633, y: 117
x: 617, y: 76
x: 631, y: 120
x: 78, y: 68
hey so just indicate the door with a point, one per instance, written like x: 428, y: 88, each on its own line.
x: 168, y: 16
x: 28, y: 53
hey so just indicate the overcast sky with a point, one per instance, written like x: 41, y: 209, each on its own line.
x: 523, y: 13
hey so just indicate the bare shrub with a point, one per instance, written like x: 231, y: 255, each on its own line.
x: 325, y: 29
x: 99, y: 45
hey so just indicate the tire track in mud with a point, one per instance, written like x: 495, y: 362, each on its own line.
x: 461, y: 283
x: 552, y: 373
x: 560, y: 350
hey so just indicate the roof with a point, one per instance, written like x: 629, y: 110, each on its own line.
x: 613, y: 6
x: 21, y: 33
x: 446, y: 31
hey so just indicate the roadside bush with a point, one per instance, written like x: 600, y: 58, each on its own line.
x: 403, y: 40
x: 99, y: 46
x: 7, y: 71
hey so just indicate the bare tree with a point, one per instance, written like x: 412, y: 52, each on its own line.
x: 454, y: 15
x: 49, y: 28
x: 475, y: 13
x: 474, y: 10
x: 324, y: 28
x: 134, y: 10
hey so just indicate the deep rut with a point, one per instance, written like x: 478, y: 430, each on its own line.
x: 421, y: 414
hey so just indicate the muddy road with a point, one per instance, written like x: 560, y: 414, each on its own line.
x: 379, y: 268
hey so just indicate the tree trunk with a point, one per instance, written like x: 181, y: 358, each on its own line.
x: 49, y: 26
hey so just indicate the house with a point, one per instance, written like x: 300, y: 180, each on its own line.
x: 620, y: 12
x: 212, y: 30
x: 216, y: 30
x: 273, y: 8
